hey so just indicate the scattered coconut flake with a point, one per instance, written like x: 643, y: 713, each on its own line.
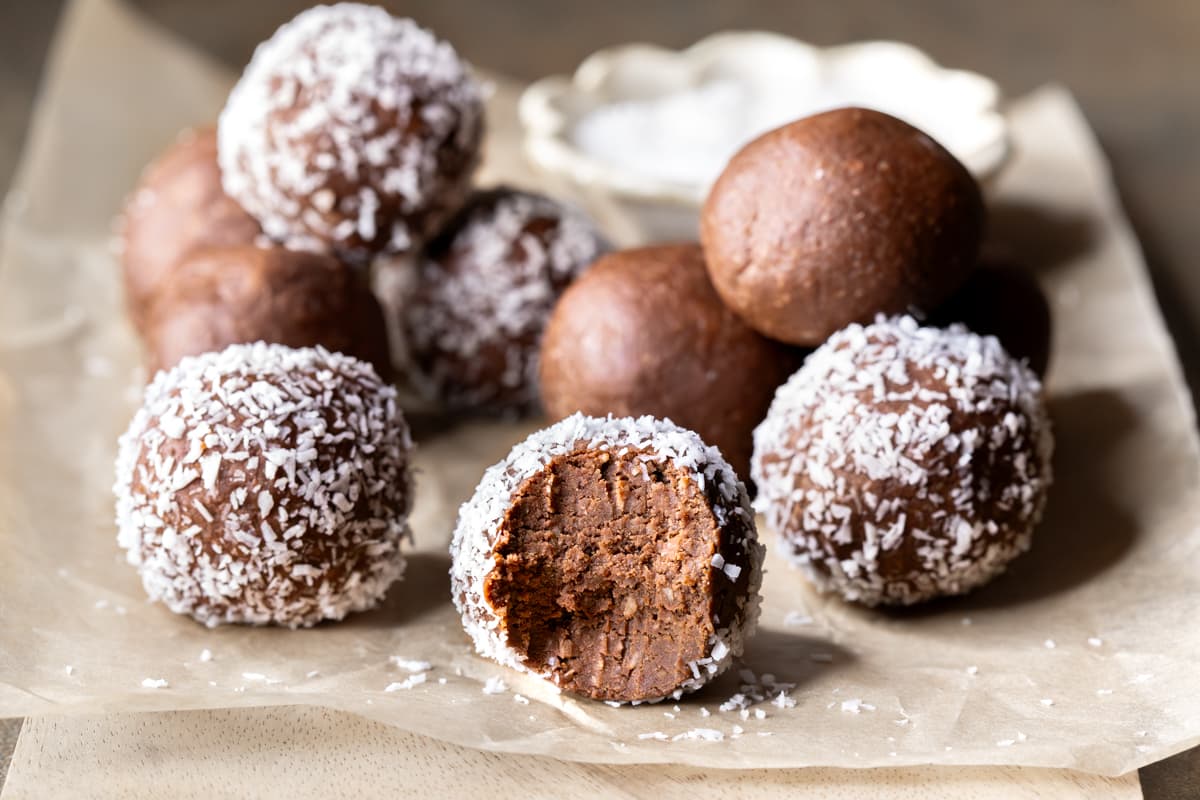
x: 495, y: 685
x: 410, y: 665
x: 668, y: 715
x: 1103, y: 692
x: 1095, y: 641
x: 206, y: 655
x: 1046, y: 701
x: 796, y: 619
x: 1142, y: 677
x: 1006, y: 742
x: 701, y: 734
x: 659, y: 735
x: 856, y: 706
x: 965, y: 621
x: 154, y: 683
x: 69, y: 669
x: 312, y: 673
x: 760, y: 714
x: 1049, y: 644
x: 972, y: 670
x: 520, y: 698
x: 704, y: 712
x: 408, y: 683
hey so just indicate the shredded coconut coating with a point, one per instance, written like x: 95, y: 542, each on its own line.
x: 351, y: 130
x: 483, y: 293
x: 473, y: 547
x: 265, y: 484
x: 901, y: 463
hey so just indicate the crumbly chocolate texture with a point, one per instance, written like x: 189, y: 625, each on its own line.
x: 643, y: 332
x: 903, y: 463
x: 472, y: 320
x: 616, y: 558
x: 835, y: 218
x: 267, y: 485
x: 177, y: 208
x: 351, y: 131
x: 1003, y: 300
x: 236, y: 295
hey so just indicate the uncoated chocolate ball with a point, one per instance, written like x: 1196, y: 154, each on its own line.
x: 177, y: 207
x: 835, y: 218
x: 235, y: 295
x: 643, y: 332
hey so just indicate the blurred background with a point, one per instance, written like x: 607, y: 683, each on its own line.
x: 1134, y: 67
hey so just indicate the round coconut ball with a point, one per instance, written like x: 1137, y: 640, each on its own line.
x: 351, y: 131
x: 903, y: 463
x: 835, y: 218
x: 266, y: 485
x: 615, y: 557
x: 178, y: 207
x: 643, y: 332
x: 473, y: 317
x: 234, y: 295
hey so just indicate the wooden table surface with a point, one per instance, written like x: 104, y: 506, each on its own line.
x: 1135, y: 68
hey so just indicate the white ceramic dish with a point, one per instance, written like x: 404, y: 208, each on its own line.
x: 774, y: 78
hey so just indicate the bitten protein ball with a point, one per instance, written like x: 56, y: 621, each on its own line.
x: 643, y: 332
x: 235, y: 295
x: 835, y: 218
x: 472, y: 321
x: 351, y: 131
x: 903, y: 463
x: 614, y: 557
x: 1005, y: 301
x: 267, y: 485
x: 177, y: 207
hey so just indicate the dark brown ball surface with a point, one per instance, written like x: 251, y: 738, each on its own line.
x: 643, y: 332
x: 1005, y: 301
x: 177, y: 207
x: 835, y: 218
x: 233, y: 295
x: 482, y: 291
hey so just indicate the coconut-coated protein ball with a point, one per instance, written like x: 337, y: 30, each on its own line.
x: 903, y: 463
x: 265, y: 485
x: 351, y: 131
x: 481, y: 294
x: 614, y: 557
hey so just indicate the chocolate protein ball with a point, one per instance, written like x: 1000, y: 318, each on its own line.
x: 614, y: 557
x: 903, y: 463
x: 472, y: 320
x: 643, y: 332
x: 233, y: 295
x: 265, y: 484
x: 177, y: 207
x: 351, y: 131
x: 837, y: 217
x: 1005, y: 301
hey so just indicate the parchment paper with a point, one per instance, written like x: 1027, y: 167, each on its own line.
x: 1081, y: 656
